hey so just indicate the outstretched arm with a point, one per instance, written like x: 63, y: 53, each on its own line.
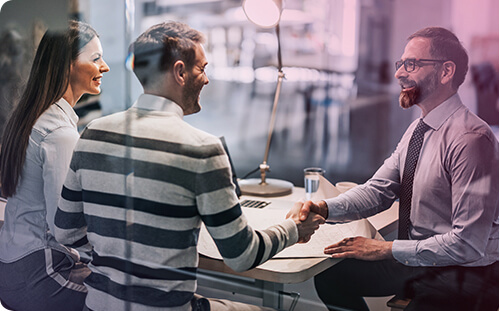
x: 240, y: 245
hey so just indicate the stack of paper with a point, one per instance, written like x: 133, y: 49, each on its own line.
x: 326, y: 235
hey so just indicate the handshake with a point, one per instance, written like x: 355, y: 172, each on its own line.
x: 308, y: 216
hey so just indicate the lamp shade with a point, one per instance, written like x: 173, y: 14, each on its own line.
x: 263, y: 13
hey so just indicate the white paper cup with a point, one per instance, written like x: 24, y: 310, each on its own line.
x: 343, y: 186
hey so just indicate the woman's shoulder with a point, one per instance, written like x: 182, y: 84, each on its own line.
x: 56, y: 124
x: 52, y: 119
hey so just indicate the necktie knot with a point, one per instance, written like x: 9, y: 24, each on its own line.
x: 422, y: 127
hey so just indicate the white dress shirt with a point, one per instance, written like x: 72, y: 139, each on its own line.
x: 454, y: 210
x: 30, y: 212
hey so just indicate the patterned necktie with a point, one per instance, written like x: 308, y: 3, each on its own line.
x: 407, y: 182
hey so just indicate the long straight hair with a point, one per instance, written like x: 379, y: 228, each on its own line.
x: 47, y: 83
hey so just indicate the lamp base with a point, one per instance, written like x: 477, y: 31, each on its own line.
x: 272, y: 188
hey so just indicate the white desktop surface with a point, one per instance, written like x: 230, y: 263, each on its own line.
x: 291, y: 270
x: 270, y: 277
x: 267, y: 281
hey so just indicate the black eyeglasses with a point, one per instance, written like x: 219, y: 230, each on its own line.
x: 411, y: 63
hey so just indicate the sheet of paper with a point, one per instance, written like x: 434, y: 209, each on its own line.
x: 325, y: 190
x: 326, y: 235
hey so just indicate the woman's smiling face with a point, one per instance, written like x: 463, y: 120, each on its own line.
x: 87, y: 70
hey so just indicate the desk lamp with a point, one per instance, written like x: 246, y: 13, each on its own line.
x: 267, y: 14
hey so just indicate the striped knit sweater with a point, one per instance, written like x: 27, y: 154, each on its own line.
x: 139, y: 185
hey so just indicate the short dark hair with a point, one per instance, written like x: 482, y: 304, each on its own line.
x: 158, y: 48
x: 446, y: 46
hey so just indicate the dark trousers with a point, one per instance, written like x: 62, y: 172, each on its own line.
x: 46, y: 280
x: 343, y: 286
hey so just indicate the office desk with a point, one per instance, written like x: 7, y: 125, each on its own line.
x: 267, y: 280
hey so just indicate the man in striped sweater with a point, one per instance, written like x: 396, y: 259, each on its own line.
x: 141, y: 182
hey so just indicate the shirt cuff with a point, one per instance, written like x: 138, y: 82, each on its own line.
x: 330, y: 205
x: 333, y: 215
x: 293, y: 232
x: 405, y: 251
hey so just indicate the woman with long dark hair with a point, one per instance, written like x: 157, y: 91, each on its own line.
x: 36, y: 272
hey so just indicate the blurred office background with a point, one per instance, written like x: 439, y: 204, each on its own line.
x: 339, y: 101
x: 338, y: 108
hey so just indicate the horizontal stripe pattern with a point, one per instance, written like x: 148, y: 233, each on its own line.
x: 142, y: 271
x: 139, y: 294
x: 145, y: 254
x: 141, y: 218
x: 142, y: 234
x: 198, y: 183
x: 100, y: 299
x: 71, y: 195
x: 155, y: 156
x: 65, y: 220
x: 138, y: 204
x: 207, y: 151
x: 124, y: 166
x: 144, y: 182
x: 234, y: 246
x: 222, y: 218
x: 132, y: 186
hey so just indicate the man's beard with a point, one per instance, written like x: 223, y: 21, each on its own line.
x: 419, y: 92
x: 409, y: 98
x: 190, y: 96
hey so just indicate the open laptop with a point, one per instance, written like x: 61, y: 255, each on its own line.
x: 244, y: 202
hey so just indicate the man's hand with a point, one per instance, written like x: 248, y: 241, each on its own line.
x: 309, y: 206
x: 360, y: 248
x: 308, y: 226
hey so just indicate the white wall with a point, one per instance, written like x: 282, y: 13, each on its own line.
x: 468, y: 19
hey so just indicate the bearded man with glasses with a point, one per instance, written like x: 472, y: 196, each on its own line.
x: 445, y: 173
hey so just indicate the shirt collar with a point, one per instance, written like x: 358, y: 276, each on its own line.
x: 437, y: 116
x: 68, y: 110
x: 157, y: 103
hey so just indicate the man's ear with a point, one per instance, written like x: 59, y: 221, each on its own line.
x: 448, y: 72
x: 179, y: 70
